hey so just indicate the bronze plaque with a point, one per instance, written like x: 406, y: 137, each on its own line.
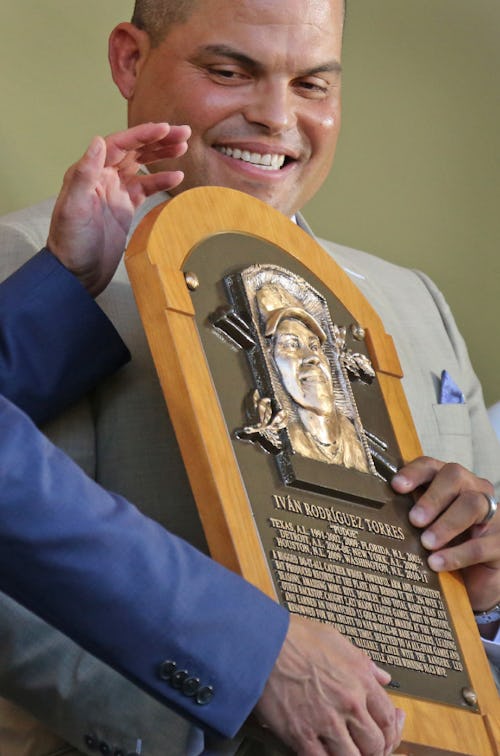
x: 315, y: 448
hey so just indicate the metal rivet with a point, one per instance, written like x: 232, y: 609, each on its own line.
x: 192, y: 281
x: 469, y: 696
x: 358, y: 332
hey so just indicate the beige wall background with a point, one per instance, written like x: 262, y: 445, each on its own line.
x: 417, y: 174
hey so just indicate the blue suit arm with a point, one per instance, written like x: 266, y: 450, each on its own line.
x: 56, y: 344
x: 128, y: 591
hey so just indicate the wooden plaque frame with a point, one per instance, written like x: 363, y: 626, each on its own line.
x: 156, y: 259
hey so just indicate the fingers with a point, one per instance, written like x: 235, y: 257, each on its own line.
x: 451, y: 507
x: 417, y: 473
x: 84, y: 174
x: 483, y: 550
x: 390, y: 720
x: 447, y: 484
x: 126, y: 151
x: 146, y: 143
x: 464, y: 511
x: 379, y: 731
x: 380, y: 675
x: 325, y: 696
x: 158, y: 182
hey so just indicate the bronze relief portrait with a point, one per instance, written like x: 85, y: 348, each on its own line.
x: 303, y: 404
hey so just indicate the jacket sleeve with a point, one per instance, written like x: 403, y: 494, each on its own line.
x: 54, y: 692
x: 55, y: 343
x: 177, y: 624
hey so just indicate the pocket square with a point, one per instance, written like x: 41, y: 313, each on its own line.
x: 449, y: 392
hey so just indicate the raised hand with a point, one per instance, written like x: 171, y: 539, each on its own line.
x: 100, y: 194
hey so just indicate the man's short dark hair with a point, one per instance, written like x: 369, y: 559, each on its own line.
x: 156, y: 16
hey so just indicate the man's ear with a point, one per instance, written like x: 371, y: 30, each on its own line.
x: 127, y: 52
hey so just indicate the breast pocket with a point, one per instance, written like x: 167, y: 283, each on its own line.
x: 454, y: 433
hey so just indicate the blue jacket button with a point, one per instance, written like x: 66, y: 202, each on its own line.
x: 191, y: 686
x: 178, y: 678
x: 166, y: 669
x: 204, y: 695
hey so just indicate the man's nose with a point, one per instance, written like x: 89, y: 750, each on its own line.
x: 271, y: 106
x: 309, y: 357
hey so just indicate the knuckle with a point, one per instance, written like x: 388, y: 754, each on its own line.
x: 487, y: 485
x: 69, y: 173
x: 475, y: 501
x: 303, y: 738
x: 454, y: 471
x: 426, y: 460
x: 430, y: 462
x: 77, y: 171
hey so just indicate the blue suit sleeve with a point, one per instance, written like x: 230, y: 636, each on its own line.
x: 55, y: 342
x: 125, y: 589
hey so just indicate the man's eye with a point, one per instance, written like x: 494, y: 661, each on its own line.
x: 289, y: 342
x: 223, y: 72
x: 227, y: 75
x: 315, y: 88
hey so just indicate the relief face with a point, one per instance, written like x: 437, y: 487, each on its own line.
x: 295, y: 343
x: 303, y: 402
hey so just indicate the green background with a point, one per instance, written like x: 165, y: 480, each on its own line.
x: 417, y: 176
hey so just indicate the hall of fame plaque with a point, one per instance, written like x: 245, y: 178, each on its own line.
x: 285, y: 394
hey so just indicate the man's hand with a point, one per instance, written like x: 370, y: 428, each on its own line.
x: 100, y: 194
x: 450, y: 507
x: 324, y: 696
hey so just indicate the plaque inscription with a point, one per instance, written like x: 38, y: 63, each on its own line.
x: 369, y: 591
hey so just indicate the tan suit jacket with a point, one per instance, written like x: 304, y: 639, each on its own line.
x: 121, y: 435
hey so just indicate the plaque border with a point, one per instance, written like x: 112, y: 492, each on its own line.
x: 155, y: 260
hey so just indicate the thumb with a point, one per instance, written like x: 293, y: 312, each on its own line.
x: 96, y: 151
x: 88, y: 169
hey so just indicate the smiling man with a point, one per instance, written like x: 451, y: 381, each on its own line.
x: 258, y: 83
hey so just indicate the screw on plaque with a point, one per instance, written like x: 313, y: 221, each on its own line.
x: 394, y: 684
x: 469, y: 696
x: 192, y: 281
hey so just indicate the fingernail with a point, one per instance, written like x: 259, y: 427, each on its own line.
x: 436, y: 562
x: 384, y: 672
x: 401, y: 481
x: 428, y: 539
x: 417, y: 516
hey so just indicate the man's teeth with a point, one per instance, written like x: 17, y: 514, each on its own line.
x: 271, y: 162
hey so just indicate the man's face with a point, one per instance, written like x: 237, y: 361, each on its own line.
x: 258, y: 82
x: 303, y: 366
